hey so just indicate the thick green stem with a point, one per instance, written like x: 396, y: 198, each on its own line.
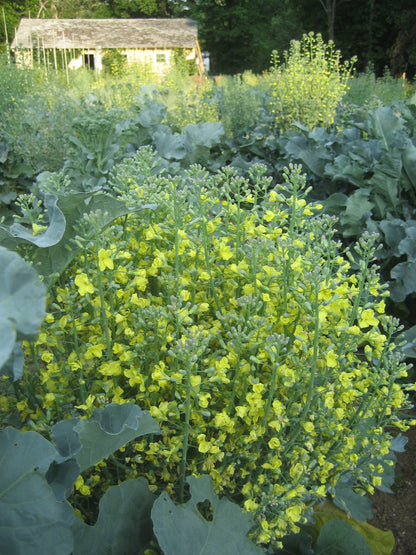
x: 81, y: 379
x: 186, y: 432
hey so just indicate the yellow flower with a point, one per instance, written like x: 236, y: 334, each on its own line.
x: 250, y: 505
x: 367, y: 319
x: 104, y: 260
x: 38, y: 228
x: 274, y: 443
x: 94, y: 351
x: 294, y: 514
x: 308, y: 427
x: 225, y: 251
x: 88, y: 403
x: 331, y: 359
x: 110, y: 368
x: 83, y: 284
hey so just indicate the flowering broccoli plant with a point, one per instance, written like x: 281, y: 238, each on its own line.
x: 229, y: 314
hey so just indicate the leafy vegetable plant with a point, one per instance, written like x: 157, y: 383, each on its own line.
x: 230, y: 315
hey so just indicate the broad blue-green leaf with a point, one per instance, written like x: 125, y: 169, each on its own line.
x: 169, y: 145
x: 358, y: 506
x: 404, y: 276
x: 61, y: 477
x: 66, y: 439
x: 32, y: 520
x: 398, y: 444
x: 314, y: 156
x: 54, y: 232
x: 407, y: 245
x: 380, y: 542
x: 386, y: 177
x: 13, y: 366
x: 409, y: 349
x: 152, y: 114
x: 22, y: 303
x: 409, y: 163
x: 8, y: 339
x: 394, y: 230
x: 357, y: 211
x: 385, y: 124
x: 205, y: 134
x: 123, y: 526
x: 109, y: 429
x: 296, y: 544
x: 51, y: 260
x: 182, y: 529
x: 339, y: 538
x: 335, y: 204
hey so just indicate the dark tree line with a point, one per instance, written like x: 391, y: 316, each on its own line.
x: 241, y: 34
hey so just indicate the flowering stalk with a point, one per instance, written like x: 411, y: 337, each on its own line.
x: 186, y: 430
x: 102, y: 300
x: 81, y: 380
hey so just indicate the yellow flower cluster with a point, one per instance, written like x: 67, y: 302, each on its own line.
x: 310, y: 84
x: 237, y: 325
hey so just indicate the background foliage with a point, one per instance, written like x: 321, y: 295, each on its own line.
x: 240, y: 34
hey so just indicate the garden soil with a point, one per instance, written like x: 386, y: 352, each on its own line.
x: 397, y: 511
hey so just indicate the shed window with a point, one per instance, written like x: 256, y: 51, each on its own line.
x: 160, y: 58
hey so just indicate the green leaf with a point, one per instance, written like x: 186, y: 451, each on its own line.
x: 313, y: 156
x: 32, y: 520
x: 51, y: 259
x: 355, y: 505
x: 109, y: 429
x: 335, y: 204
x: 297, y: 544
x: 380, y: 542
x: 409, y: 349
x: 404, y: 276
x: 123, y: 525
x: 61, y: 477
x: 407, y: 245
x: 182, y: 529
x: 22, y: 305
x: 54, y: 232
x: 409, y: 163
x: 394, y: 231
x: 385, y: 124
x: 386, y: 177
x: 357, y: 211
x: 207, y: 134
x: 169, y: 145
x: 339, y: 538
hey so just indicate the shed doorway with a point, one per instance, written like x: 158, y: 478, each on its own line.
x: 89, y: 61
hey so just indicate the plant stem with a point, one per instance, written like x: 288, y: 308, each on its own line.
x: 186, y: 431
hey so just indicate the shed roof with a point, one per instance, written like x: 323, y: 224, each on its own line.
x: 106, y: 33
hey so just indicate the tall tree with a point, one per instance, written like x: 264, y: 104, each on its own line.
x: 241, y: 34
x: 139, y: 8
x: 330, y: 8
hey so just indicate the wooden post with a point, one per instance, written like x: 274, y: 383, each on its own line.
x: 200, y: 64
x: 6, y: 37
x: 65, y: 64
x: 44, y: 59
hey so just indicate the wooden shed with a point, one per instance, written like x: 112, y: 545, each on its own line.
x: 150, y: 41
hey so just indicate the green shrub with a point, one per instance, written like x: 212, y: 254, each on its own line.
x: 240, y: 104
x: 114, y: 62
x: 309, y: 85
x: 229, y: 314
x: 366, y: 89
